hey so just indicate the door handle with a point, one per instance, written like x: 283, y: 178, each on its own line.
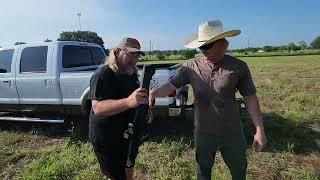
x: 10, y: 82
x: 46, y: 83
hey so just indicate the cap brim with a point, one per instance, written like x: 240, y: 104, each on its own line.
x: 135, y: 50
x: 196, y: 44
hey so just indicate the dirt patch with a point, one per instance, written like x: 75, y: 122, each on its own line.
x: 314, y: 127
x: 313, y: 160
x: 140, y: 175
x: 13, y: 170
x: 27, y: 141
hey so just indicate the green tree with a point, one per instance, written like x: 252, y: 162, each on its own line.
x: 296, y: 48
x: 160, y: 55
x: 188, y: 53
x: 267, y: 48
x: 315, y: 43
x: 283, y: 47
x: 303, y: 45
x: 291, y: 46
x: 84, y: 36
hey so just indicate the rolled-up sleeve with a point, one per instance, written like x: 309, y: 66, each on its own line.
x: 246, y: 86
x: 101, y: 86
x: 181, y: 78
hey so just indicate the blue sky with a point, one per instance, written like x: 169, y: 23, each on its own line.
x: 164, y: 23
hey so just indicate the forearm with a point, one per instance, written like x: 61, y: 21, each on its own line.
x: 163, y: 90
x: 253, y: 108
x: 110, y: 107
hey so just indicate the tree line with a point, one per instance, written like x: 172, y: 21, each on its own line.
x: 93, y: 37
x: 302, y: 45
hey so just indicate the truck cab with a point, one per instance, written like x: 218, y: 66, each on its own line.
x: 49, y: 81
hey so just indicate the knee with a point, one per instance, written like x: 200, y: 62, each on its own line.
x: 204, y: 164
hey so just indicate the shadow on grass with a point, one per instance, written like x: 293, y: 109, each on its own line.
x: 71, y: 128
x: 173, y: 128
x: 283, y: 135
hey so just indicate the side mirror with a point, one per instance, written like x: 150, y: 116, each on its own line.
x: 3, y: 70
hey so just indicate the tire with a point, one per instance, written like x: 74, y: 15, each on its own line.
x: 84, y: 127
x: 78, y: 126
x: 86, y: 108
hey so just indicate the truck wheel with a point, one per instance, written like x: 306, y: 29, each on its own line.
x: 84, y: 127
x: 78, y: 126
x: 86, y: 108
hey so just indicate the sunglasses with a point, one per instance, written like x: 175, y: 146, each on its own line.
x: 207, y: 46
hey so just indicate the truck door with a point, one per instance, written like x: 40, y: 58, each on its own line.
x: 34, y: 81
x: 8, y: 91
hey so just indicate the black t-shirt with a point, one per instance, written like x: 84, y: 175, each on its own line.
x: 106, y: 84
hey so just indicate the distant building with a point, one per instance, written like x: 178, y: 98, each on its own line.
x: 260, y: 51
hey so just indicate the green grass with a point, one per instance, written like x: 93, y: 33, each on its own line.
x: 289, y: 86
x: 71, y: 161
x: 289, y: 93
x: 278, y: 53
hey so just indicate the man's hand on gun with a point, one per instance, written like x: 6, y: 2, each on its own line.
x: 139, y: 96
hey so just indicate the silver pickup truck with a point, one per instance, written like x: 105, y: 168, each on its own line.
x: 49, y: 82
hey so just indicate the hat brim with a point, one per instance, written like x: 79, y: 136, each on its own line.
x: 135, y: 50
x: 196, y: 44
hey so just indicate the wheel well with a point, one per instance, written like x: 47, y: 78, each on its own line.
x: 86, y: 105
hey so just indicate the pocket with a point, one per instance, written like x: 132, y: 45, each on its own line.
x: 226, y: 84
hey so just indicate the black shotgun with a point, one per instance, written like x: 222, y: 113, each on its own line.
x: 137, y: 129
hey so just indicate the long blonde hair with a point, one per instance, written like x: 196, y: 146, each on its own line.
x: 111, y: 61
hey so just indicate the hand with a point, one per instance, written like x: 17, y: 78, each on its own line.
x: 151, y: 98
x: 259, y: 141
x: 150, y: 116
x: 139, y: 96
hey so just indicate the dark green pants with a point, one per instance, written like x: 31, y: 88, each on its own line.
x: 233, y: 151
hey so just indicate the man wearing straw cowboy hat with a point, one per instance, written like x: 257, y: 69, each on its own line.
x: 215, y: 78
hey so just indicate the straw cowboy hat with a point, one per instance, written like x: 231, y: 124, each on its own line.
x: 208, y: 32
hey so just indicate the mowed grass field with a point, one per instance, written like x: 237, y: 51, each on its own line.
x: 289, y: 92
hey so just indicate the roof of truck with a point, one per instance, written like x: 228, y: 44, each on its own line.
x: 49, y: 43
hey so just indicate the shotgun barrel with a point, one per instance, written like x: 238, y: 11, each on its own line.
x: 137, y: 129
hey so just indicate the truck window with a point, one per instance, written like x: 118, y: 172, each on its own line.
x: 34, y: 59
x: 76, y: 56
x: 97, y: 55
x: 6, y: 60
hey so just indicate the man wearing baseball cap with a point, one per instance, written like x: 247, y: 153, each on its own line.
x: 115, y: 93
